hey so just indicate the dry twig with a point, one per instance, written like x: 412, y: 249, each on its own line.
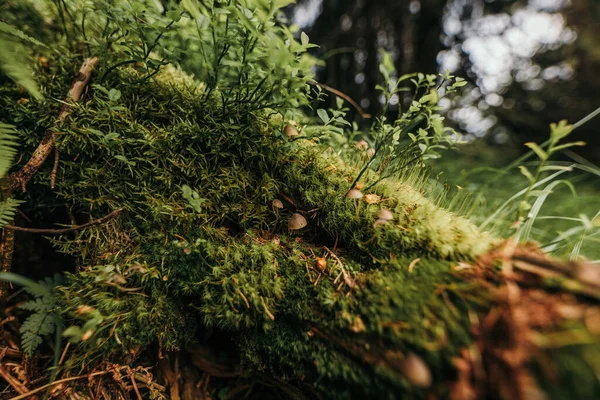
x: 65, y: 230
x: 20, y: 178
x: 343, y: 96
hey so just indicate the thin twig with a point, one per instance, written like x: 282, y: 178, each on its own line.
x: 49, y: 385
x: 266, y: 309
x: 64, y: 353
x: 412, y: 264
x: 20, y: 178
x: 65, y: 230
x: 343, y: 96
x: 11, y: 353
x: 25, y: 217
x: 244, y: 297
x: 135, y: 387
x: 54, y: 168
x: 14, y: 382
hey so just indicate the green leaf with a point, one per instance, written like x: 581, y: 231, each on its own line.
x: 283, y: 3
x: 174, y: 15
x: 560, y: 131
x: 323, y: 115
x: 526, y: 173
x: 304, y: 39
x: 567, y: 145
x: 538, y: 150
x: 8, y: 136
x: 12, y: 58
x: 114, y: 94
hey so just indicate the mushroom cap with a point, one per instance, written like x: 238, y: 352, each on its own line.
x: 416, y: 371
x: 386, y: 214
x: 362, y: 144
x: 277, y: 203
x: 296, y: 222
x: 380, y: 222
x: 370, y: 152
x: 354, y: 194
x: 290, y: 131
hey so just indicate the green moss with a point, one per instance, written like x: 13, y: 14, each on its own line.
x: 220, y: 257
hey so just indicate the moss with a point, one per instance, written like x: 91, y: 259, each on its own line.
x: 220, y: 257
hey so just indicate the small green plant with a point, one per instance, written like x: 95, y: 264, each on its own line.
x: 44, y: 319
x: 557, y: 133
x: 418, y: 133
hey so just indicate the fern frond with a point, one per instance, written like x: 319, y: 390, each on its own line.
x: 11, y: 30
x: 34, y: 305
x: 30, y: 341
x: 32, y: 287
x: 13, y: 55
x: 44, y: 319
x: 7, y: 210
x: 8, y: 144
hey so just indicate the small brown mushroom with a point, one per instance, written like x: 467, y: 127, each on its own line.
x: 380, y: 222
x: 277, y: 204
x: 354, y: 194
x: 296, y: 222
x: 370, y: 152
x: 416, y: 371
x: 385, y: 214
x: 290, y: 131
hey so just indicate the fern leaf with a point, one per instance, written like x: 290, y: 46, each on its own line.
x: 12, y: 58
x: 11, y: 30
x: 7, y: 211
x: 34, y: 305
x: 38, y: 324
x: 44, y: 320
x: 30, y: 341
x: 8, y: 145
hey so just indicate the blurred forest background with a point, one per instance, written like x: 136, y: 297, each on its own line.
x: 528, y: 64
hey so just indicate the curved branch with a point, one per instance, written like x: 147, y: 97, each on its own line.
x: 20, y: 178
x: 65, y: 230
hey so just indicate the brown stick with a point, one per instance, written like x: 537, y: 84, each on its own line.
x: 49, y: 385
x: 20, y: 178
x: 266, y: 309
x: 65, y: 230
x: 343, y: 96
x: 11, y: 353
x: 54, y: 168
x: 7, y: 241
x: 14, y: 382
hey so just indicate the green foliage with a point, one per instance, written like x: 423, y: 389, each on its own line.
x: 44, y: 319
x: 8, y: 208
x: 7, y: 147
x: 8, y: 143
x: 196, y: 166
x: 12, y: 57
x: 418, y: 134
